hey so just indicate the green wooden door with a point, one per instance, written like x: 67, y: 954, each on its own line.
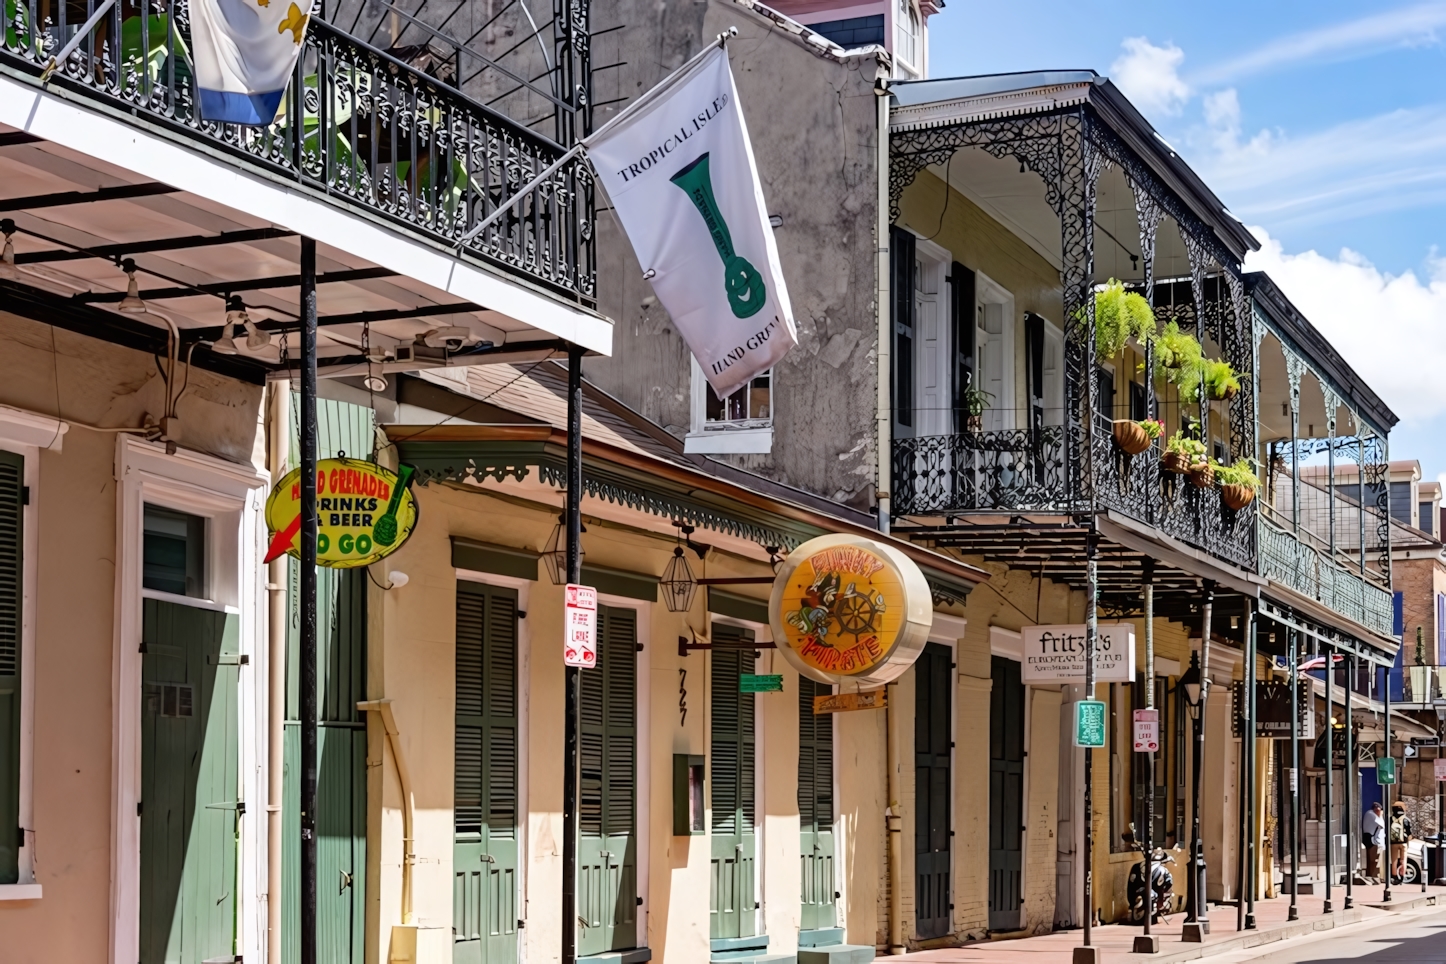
x: 933, y: 677
x: 341, y: 747
x: 732, y: 899
x: 341, y: 739
x: 1006, y: 795
x: 484, y: 849
x: 12, y: 501
x: 607, y: 846
x: 815, y: 808
x: 190, y: 806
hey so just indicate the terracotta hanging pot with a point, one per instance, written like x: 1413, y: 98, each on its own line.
x: 1237, y: 496
x: 1176, y: 462
x: 1202, y: 476
x: 1130, y: 437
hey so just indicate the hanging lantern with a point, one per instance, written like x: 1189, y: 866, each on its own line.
x: 678, y: 583
x: 554, y: 554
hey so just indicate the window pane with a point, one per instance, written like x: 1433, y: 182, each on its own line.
x: 173, y: 552
x: 760, y: 398
x: 715, y: 405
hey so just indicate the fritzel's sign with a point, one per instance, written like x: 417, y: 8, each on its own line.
x: 579, y: 647
x: 364, y: 512
x: 1056, y: 654
x: 850, y: 611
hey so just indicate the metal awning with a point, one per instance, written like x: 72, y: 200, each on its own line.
x: 1330, y: 636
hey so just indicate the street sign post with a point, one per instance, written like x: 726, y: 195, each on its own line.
x: 760, y: 683
x: 1089, y: 723
x: 579, y: 646
x: 1386, y: 771
x: 1147, y: 731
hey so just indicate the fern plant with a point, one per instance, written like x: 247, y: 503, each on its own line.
x: 1119, y: 316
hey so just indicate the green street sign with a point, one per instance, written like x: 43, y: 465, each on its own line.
x: 1386, y: 771
x: 767, y: 683
x: 1089, y: 723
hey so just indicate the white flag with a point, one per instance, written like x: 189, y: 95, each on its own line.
x: 244, y: 52
x: 681, y: 175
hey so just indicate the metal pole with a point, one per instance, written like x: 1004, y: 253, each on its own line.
x: 1252, y: 845
x: 1348, y: 778
x: 307, y: 682
x: 1197, y: 920
x: 1091, y: 628
x: 574, y: 678
x: 1386, y: 787
x: 1294, y: 657
x: 1330, y: 748
x: 1148, y: 943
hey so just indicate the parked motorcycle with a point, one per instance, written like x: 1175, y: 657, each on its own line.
x: 1162, y: 887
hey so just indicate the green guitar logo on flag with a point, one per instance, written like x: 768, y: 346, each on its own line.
x: 746, y: 291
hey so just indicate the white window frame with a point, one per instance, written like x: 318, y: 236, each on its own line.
x: 230, y: 497
x: 932, y: 266
x: 717, y: 438
x: 909, y: 67
x: 990, y: 292
x: 26, y: 434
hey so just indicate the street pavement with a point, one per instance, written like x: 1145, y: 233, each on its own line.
x: 1272, y: 935
x: 1412, y: 938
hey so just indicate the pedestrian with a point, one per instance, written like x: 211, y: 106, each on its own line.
x: 1400, y: 836
x: 1373, y: 833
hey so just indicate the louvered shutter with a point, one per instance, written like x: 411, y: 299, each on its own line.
x: 733, y: 746
x: 485, y: 790
x: 12, y: 481
x: 815, y: 758
x: 621, y: 670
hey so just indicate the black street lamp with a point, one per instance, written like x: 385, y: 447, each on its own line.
x: 1195, y: 688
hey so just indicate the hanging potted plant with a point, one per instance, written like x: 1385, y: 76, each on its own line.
x: 1180, y: 360
x: 1134, y: 437
x: 1202, y: 474
x: 1119, y: 316
x: 1238, y: 483
x: 1182, y: 453
x: 974, y: 401
x: 1221, y: 380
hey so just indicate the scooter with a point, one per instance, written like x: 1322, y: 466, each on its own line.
x: 1162, y: 887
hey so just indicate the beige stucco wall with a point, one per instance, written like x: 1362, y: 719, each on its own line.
x: 87, y: 381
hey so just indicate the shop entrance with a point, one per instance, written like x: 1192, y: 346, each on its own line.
x: 815, y: 808
x: 933, y: 679
x: 1006, y: 794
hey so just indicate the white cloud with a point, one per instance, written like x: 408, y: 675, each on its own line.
x: 1363, y: 37
x: 1390, y: 328
x: 1150, y: 76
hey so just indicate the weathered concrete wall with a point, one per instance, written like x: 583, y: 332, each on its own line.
x: 812, y: 121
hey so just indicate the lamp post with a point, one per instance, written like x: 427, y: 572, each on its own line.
x: 1195, y: 685
x: 1440, y: 707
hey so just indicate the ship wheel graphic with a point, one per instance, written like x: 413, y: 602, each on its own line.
x: 855, y: 613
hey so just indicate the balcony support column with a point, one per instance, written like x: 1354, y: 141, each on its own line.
x: 1294, y: 658
x: 1332, y: 403
x: 1294, y: 368
x: 1330, y: 754
x: 1348, y: 778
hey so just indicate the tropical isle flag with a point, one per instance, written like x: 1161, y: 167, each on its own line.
x: 244, y: 51
x: 680, y: 172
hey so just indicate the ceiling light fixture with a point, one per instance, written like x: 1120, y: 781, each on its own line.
x: 131, y: 304
x: 554, y: 554
x: 678, y: 582
x: 8, y: 271
x: 235, y: 313
x: 256, y: 339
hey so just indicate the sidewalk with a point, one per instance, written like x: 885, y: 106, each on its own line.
x: 1116, y: 940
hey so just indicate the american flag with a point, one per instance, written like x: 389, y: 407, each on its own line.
x: 1319, y: 662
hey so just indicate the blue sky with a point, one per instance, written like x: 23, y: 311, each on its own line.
x: 1321, y: 125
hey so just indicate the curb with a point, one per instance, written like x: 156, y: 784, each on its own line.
x: 1398, y: 906
x: 1283, y: 932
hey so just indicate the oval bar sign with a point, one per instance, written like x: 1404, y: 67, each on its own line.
x: 850, y: 611
x: 364, y: 513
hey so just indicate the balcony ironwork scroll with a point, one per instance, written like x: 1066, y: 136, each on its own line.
x: 357, y: 125
x: 1293, y: 563
x: 1017, y: 469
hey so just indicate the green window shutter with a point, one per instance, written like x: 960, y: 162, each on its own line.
x: 485, y: 788
x: 12, y: 500
x: 815, y: 758
x: 608, y: 731
x: 733, y: 743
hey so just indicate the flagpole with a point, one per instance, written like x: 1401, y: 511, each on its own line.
x: 663, y: 85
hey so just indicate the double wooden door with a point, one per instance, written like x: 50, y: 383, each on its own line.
x: 815, y: 808
x: 1006, y: 795
x: 607, y: 900
x: 933, y: 687
x: 732, y: 895
x: 484, y: 805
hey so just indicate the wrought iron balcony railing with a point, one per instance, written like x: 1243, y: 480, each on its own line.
x: 356, y: 125
x: 1028, y: 471
x: 1313, y: 573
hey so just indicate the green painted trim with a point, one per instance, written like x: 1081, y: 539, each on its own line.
x: 726, y: 603
x: 756, y: 943
x: 620, y: 582
x: 501, y: 560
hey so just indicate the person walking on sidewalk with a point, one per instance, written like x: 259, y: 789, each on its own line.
x: 1400, y: 836
x: 1373, y: 833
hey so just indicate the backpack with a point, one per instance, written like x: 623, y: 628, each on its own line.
x: 1398, y: 830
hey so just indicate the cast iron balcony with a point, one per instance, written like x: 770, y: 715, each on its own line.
x: 357, y: 126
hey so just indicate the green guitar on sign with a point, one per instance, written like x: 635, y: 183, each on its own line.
x: 746, y: 291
